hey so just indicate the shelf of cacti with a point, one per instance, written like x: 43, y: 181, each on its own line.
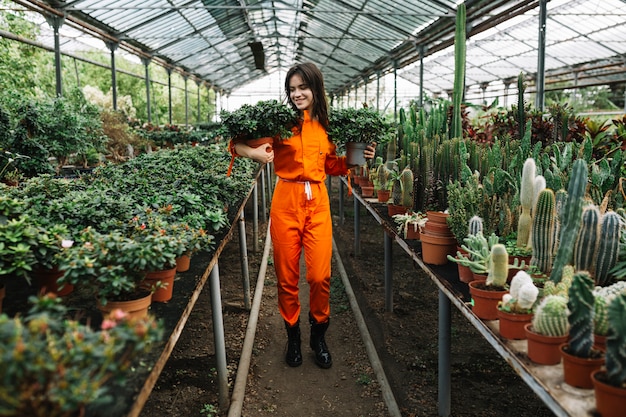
x: 500, y: 183
x: 186, y: 187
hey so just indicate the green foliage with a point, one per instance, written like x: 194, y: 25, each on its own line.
x: 268, y: 118
x: 358, y: 125
x: 616, y: 340
x: 62, y: 364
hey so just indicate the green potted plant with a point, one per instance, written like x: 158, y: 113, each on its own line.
x: 54, y: 366
x: 610, y: 383
x: 409, y: 224
x: 516, y: 308
x: 548, y: 330
x: 487, y: 294
x: 353, y: 129
x: 579, y: 356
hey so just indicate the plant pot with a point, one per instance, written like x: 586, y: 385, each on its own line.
x: 47, y: 281
x: 435, y: 249
x: 542, y: 349
x: 354, y: 153
x: 512, y: 324
x: 367, y: 191
x: 183, y: 262
x: 134, y: 308
x: 465, y: 274
x: 610, y: 400
x: 393, y: 209
x: 164, y: 290
x: 437, y: 217
x: 485, y: 300
x: 412, y: 232
x: 479, y: 277
x: 383, y: 195
x: 577, y: 371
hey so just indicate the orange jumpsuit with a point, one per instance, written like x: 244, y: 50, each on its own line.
x: 300, y: 218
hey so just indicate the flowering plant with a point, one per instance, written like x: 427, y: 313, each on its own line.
x: 54, y: 366
x: 113, y: 265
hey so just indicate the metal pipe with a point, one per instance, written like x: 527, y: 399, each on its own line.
x: 241, y: 378
x: 541, y: 56
x: 263, y: 198
x: 357, y: 227
x: 255, y: 217
x: 243, y: 251
x: 388, y: 249
x: 342, y: 217
x: 220, y: 341
x: 444, y: 344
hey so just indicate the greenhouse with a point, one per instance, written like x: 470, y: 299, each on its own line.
x: 314, y: 208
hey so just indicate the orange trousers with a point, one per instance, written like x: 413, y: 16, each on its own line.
x: 300, y: 221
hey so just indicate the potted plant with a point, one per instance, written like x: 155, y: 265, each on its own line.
x: 602, y: 298
x: 548, y: 330
x: 353, y: 129
x: 516, y: 308
x: 610, y: 383
x: 579, y: 356
x: 59, y: 366
x: 49, y: 242
x: 409, y: 224
x: 113, y: 266
x: 487, y: 294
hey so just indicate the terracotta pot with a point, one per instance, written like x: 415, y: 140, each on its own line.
x: 354, y: 153
x: 435, y: 249
x: 542, y: 349
x: 512, y: 324
x: 465, y: 274
x: 367, y: 191
x: 183, y: 262
x: 479, y: 277
x: 383, y: 195
x: 437, y: 217
x: 394, y: 209
x: 134, y: 308
x: 47, y: 281
x: 165, y: 290
x: 610, y: 400
x: 485, y: 301
x: 577, y: 371
x: 412, y: 232
x: 437, y: 229
x: 255, y: 143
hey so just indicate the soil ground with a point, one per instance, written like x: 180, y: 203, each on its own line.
x: 483, y: 384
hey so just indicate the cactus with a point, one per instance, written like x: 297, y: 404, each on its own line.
x: 459, y: 71
x: 498, y: 266
x: 580, y: 319
x: 406, y: 178
x: 526, y: 201
x: 542, y: 231
x: 587, y: 241
x: 478, y: 249
x: 562, y: 288
x: 522, y: 294
x: 615, y: 353
x: 600, y: 317
x: 475, y: 225
x: 383, y: 173
x: 521, y: 108
x: 608, y: 247
x: 572, y: 211
x: 559, y: 197
x: 550, y: 317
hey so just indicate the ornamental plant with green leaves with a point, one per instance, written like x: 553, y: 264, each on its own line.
x: 53, y: 365
x: 268, y: 118
x: 364, y: 125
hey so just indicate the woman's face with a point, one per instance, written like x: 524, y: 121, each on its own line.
x: 300, y: 93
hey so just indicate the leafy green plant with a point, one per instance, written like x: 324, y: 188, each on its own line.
x: 358, y: 125
x: 54, y: 365
x: 268, y: 118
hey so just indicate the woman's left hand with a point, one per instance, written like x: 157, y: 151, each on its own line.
x: 370, y: 151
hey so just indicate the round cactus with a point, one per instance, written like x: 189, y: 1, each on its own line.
x: 550, y: 317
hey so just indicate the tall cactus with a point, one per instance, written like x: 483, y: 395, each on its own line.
x: 560, y: 197
x: 608, y: 247
x: 587, y: 240
x: 498, y: 266
x: 521, y: 107
x: 616, y: 340
x: 459, y: 70
x: 580, y: 319
x: 600, y: 315
x: 526, y: 196
x: 542, y: 231
x: 570, y: 222
x: 475, y: 225
x: 550, y: 317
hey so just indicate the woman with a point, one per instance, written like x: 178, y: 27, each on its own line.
x: 300, y: 211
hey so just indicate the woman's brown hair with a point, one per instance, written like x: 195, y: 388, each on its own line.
x: 312, y: 76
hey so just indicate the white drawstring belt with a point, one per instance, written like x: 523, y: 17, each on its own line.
x: 307, y: 187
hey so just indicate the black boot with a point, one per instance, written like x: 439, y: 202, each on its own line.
x: 318, y: 344
x: 294, y: 354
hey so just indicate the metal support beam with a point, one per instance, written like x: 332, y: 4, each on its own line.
x: 146, y: 63
x: 186, y: 78
x: 198, y: 115
x: 220, y: 341
x: 243, y: 256
x: 255, y: 217
x: 388, y: 249
x: 169, y: 95
x: 357, y: 227
x: 56, y: 22
x: 113, y: 47
x: 444, y: 390
x: 541, y: 56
